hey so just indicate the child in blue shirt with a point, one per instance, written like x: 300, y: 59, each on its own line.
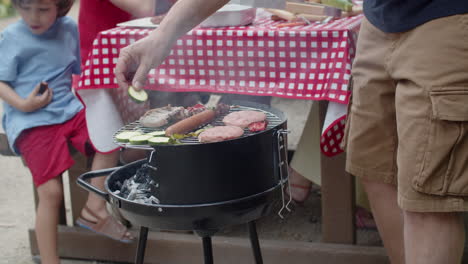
x: 44, y: 47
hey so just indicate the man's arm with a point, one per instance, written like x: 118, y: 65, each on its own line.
x: 136, y: 60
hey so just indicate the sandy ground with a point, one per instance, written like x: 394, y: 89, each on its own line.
x: 17, y: 207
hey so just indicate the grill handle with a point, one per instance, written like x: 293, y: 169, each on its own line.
x: 283, y: 165
x: 83, y: 181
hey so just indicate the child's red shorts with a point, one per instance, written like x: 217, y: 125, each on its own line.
x: 45, y: 149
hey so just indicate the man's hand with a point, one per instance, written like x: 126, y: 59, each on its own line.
x: 137, y: 59
x: 35, y: 100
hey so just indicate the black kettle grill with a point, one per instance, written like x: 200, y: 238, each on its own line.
x: 205, y: 186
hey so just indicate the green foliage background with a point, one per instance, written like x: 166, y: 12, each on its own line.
x: 6, y: 8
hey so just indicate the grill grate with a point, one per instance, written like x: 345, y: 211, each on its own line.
x: 273, y: 120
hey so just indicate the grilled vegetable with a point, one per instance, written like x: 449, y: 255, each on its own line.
x: 137, y: 96
x: 126, y: 135
x: 180, y: 136
x: 157, y: 133
x: 159, y: 141
x: 140, y: 139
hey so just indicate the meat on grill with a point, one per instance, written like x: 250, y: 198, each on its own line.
x: 197, y: 118
x: 258, y: 126
x: 243, y: 119
x: 190, y: 123
x: 220, y: 133
x: 159, y: 117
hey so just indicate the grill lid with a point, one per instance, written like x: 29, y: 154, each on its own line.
x: 274, y: 118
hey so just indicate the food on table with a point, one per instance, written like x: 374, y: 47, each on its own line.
x: 140, y: 139
x: 126, y: 135
x: 220, y: 133
x: 190, y: 123
x: 344, y: 5
x: 137, y: 96
x: 243, y: 119
x: 281, y: 14
x: 159, y: 141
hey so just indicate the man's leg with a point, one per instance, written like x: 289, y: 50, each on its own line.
x: 389, y: 218
x: 432, y: 238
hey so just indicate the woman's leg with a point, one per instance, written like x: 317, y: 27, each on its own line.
x: 305, y: 164
x: 50, y: 200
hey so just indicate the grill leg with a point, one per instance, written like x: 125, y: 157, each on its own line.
x: 254, y: 242
x: 141, y: 245
x: 207, y: 250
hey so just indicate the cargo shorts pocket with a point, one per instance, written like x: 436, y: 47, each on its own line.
x: 344, y: 140
x: 444, y: 169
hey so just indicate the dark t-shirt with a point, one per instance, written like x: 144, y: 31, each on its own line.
x: 402, y: 15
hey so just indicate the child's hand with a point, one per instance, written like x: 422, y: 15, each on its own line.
x: 36, y: 100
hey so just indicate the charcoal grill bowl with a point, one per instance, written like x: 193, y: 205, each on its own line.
x: 210, y: 216
x: 206, y: 186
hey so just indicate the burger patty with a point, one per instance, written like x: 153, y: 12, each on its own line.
x: 243, y: 119
x: 220, y: 133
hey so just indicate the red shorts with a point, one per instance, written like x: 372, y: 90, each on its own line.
x: 45, y: 149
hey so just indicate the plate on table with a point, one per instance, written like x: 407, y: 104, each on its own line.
x: 139, y: 23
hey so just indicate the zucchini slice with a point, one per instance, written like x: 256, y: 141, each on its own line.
x: 159, y: 140
x: 138, y: 96
x: 126, y: 135
x: 140, y: 139
x: 157, y: 133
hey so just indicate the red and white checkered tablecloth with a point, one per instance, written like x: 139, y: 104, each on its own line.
x: 310, y: 62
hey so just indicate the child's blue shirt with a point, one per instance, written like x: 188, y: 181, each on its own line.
x: 26, y: 60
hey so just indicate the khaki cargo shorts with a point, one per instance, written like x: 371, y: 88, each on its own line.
x: 408, y: 116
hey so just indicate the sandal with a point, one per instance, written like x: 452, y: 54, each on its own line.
x: 108, y: 227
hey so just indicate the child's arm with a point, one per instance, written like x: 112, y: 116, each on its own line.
x: 137, y: 8
x: 33, y: 102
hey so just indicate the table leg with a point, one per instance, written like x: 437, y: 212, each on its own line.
x: 338, y: 199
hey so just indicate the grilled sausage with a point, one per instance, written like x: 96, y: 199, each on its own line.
x: 190, y: 123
